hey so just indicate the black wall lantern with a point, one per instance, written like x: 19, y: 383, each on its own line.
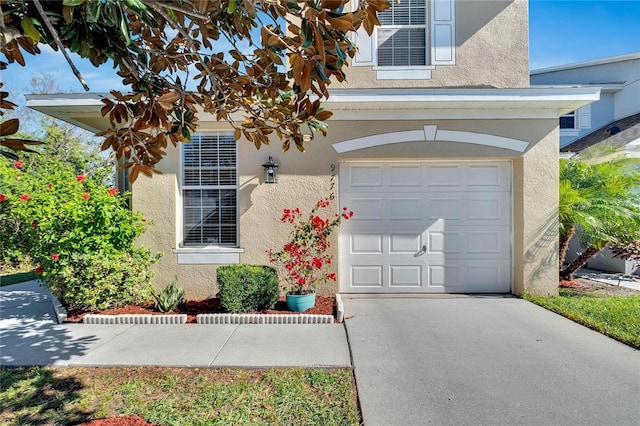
x: 270, y: 171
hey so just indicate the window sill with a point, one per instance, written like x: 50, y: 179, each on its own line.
x: 208, y: 255
x: 569, y: 132
x: 403, y: 73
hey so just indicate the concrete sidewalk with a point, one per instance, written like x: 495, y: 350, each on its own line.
x: 30, y: 336
x: 613, y: 279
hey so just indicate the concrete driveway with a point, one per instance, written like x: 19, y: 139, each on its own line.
x: 486, y: 361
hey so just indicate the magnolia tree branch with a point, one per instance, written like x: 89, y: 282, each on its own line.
x: 56, y: 38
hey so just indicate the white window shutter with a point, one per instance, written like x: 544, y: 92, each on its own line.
x: 443, y: 32
x: 364, y: 56
x: 365, y: 42
x: 584, y: 117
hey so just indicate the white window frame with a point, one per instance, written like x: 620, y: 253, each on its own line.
x: 207, y: 253
x: 424, y: 27
x: 440, y: 44
x: 581, y: 121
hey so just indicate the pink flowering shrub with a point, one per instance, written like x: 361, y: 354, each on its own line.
x: 305, y: 259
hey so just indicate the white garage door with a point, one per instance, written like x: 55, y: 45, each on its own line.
x: 426, y: 227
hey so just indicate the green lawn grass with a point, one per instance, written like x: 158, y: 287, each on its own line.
x: 17, y: 277
x: 617, y: 317
x: 174, y: 396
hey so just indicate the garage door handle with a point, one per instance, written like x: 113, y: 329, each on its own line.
x: 421, y: 252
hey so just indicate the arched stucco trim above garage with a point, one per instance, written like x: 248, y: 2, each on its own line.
x: 431, y: 133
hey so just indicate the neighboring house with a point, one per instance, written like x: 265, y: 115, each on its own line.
x: 438, y: 144
x: 613, y: 120
x: 618, y: 77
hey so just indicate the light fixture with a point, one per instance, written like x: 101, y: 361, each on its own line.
x: 270, y: 171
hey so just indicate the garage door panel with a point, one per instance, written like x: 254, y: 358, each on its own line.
x: 370, y: 208
x: 458, y: 277
x: 445, y: 176
x: 426, y: 227
x: 366, y: 243
x: 402, y: 276
x: 441, y: 242
x: 438, y: 276
x: 400, y: 243
x: 405, y: 208
x: 448, y: 208
x: 490, y: 176
x: 408, y: 175
x: 366, y: 276
x: 363, y: 176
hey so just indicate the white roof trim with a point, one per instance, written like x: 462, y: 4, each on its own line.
x: 602, y: 61
x: 428, y: 134
x: 604, y: 87
x: 463, y: 95
x: 59, y: 99
x: 380, y: 104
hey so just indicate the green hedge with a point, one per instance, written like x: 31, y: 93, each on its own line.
x: 246, y: 288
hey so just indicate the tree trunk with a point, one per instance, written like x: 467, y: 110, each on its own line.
x: 571, y: 269
x: 564, y: 244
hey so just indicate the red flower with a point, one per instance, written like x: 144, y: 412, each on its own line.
x: 113, y: 191
x: 331, y: 276
x: 81, y: 178
x: 49, y: 186
x: 301, y: 281
x: 25, y: 197
x: 318, y: 223
x: 39, y: 270
x: 323, y: 203
x: 317, y: 262
x: 55, y: 257
x: 85, y: 196
x: 346, y: 214
x: 18, y: 164
x: 2, y: 198
x: 34, y: 223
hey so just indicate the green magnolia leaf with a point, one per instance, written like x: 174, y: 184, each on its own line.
x: 30, y: 29
x: 231, y: 8
x: 73, y: 2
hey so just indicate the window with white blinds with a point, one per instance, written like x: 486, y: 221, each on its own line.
x: 402, y: 37
x: 210, y: 190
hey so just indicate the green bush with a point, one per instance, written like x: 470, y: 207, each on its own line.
x: 170, y: 297
x: 91, y: 281
x: 246, y: 288
x: 77, y: 231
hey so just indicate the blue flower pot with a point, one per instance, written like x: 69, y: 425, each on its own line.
x: 301, y: 302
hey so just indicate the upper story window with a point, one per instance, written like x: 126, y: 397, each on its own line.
x: 402, y: 37
x: 573, y: 122
x: 210, y: 190
x: 568, y: 121
x: 415, y: 37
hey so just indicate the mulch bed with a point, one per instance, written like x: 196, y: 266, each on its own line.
x: 324, y: 306
x: 119, y: 421
x: 598, y: 288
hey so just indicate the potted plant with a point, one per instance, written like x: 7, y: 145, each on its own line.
x: 305, y: 260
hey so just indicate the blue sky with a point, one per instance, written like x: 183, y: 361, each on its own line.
x: 561, y: 32
x: 568, y: 31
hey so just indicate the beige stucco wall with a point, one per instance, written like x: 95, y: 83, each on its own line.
x: 306, y: 177
x: 492, y: 50
x: 535, y: 221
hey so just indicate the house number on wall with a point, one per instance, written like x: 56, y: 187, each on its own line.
x: 332, y: 182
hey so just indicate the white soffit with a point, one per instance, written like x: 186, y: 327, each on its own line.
x: 431, y: 134
x: 412, y: 104
x: 380, y: 104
